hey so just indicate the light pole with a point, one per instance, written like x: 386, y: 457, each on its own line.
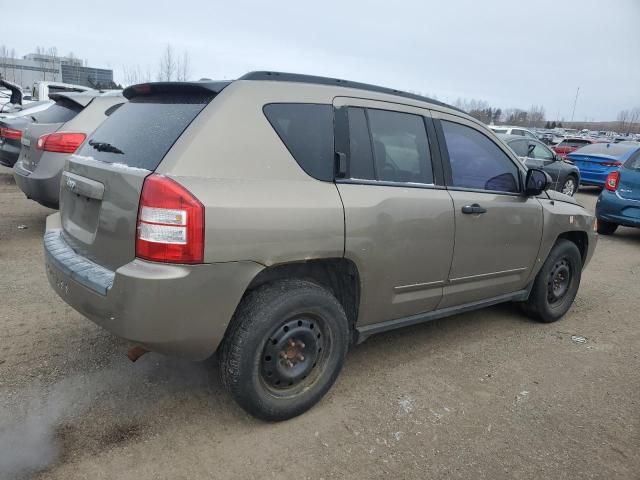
x: 574, y: 104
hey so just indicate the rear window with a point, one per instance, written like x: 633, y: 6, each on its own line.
x: 60, y: 112
x: 307, y: 131
x: 140, y: 132
x: 609, y: 149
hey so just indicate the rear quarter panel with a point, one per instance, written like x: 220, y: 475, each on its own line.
x: 260, y: 204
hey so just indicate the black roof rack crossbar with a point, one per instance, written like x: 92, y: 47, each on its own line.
x: 296, y: 77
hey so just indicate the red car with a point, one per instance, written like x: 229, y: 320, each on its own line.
x: 569, y: 145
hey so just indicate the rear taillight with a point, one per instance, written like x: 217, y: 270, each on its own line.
x: 61, y: 142
x: 611, y: 183
x: 170, y: 223
x: 10, y: 133
x: 611, y: 164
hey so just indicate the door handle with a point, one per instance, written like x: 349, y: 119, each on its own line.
x: 473, y: 209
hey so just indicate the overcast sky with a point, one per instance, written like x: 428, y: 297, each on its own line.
x: 510, y: 53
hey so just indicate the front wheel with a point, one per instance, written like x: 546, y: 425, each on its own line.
x: 606, y: 228
x: 570, y: 186
x: 284, y: 348
x: 556, y: 284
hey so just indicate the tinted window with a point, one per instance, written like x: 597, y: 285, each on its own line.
x: 520, y: 147
x: 400, y: 147
x: 307, y: 131
x: 360, y: 156
x: 633, y: 163
x: 141, y: 132
x: 61, y: 111
x: 515, y: 131
x: 499, y: 130
x: 477, y: 162
x: 540, y: 151
x: 609, y: 149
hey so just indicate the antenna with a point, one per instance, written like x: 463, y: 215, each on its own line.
x: 574, y: 104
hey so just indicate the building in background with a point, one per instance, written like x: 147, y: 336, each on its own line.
x: 35, y: 67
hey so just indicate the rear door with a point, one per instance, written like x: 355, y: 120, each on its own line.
x: 101, y: 185
x: 399, y: 223
x: 498, y: 229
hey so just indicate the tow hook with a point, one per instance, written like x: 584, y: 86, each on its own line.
x: 136, y: 352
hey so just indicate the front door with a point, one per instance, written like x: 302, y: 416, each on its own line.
x: 498, y: 229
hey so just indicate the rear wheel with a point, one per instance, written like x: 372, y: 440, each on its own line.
x: 570, y: 186
x: 284, y: 348
x: 556, y: 284
x: 606, y: 228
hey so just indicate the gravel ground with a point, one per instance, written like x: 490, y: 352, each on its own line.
x: 487, y: 394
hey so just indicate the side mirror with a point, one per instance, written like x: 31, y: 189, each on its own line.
x: 536, y: 182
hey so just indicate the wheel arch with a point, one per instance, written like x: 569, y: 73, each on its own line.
x: 339, y: 275
x: 579, y: 238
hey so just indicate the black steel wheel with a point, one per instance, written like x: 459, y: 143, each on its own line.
x: 556, y: 284
x: 284, y: 348
x: 291, y: 354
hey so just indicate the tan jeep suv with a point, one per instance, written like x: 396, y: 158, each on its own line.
x: 279, y: 219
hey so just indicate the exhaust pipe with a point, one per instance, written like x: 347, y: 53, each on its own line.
x: 136, y: 352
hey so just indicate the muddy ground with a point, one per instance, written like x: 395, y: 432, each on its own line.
x: 488, y: 394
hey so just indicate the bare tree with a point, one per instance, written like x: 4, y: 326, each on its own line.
x: 42, y: 61
x: 624, y: 118
x: 167, y: 65
x: 14, y: 71
x: 536, y: 116
x: 4, y: 54
x: 183, y: 67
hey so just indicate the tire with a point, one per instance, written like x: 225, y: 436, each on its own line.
x: 284, y: 348
x: 556, y: 285
x: 606, y: 228
x: 570, y: 186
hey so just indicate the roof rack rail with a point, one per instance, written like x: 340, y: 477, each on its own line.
x: 300, y: 78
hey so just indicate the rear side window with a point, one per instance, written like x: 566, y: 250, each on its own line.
x: 400, y: 147
x: 633, y: 163
x: 60, y: 112
x: 515, y: 131
x: 140, y: 132
x: 306, y: 129
x: 360, y: 153
x: 476, y: 162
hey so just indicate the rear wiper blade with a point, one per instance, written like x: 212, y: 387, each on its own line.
x: 35, y: 120
x: 105, y: 147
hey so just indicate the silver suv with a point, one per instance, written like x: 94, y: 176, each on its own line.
x: 279, y: 219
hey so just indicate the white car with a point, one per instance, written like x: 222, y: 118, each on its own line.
x: 507, y: 130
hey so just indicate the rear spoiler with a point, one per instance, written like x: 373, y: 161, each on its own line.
x: 81, y: 98
x: 160, y: 88
x: 16, y: 92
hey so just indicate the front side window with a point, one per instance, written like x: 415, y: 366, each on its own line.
x: 520, y: 147
x: 477, y: 162
x: 400, y: 147
x: 306, y: 129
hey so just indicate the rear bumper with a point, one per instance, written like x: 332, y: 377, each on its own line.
x: 43, y: 184
x: 612, y: 208
x: 180, y: 310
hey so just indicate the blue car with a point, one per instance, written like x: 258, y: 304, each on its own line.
x: 598, y: 160
x: 619, y: 202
